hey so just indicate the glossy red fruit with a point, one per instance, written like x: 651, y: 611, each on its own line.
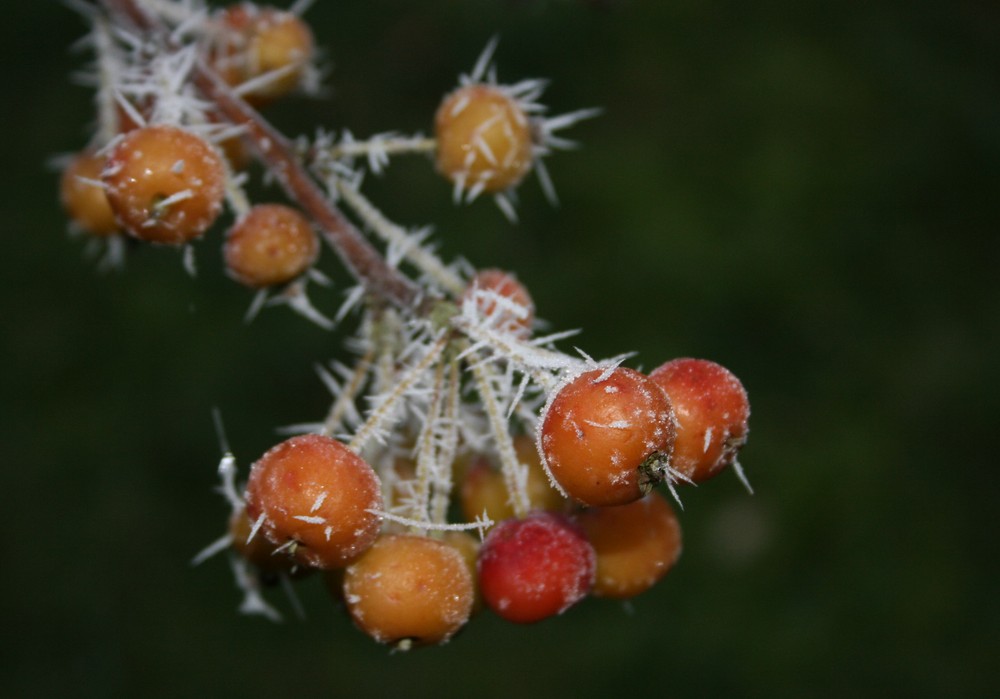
x: 512, y: 311
x: 410, y: 589
x: 534, y: 568
x: 271, y: 244
x: 607, y: 436
x: 712, y: 411
x: 636, y: 544
x: 314, y: 495
x: 164, y: 184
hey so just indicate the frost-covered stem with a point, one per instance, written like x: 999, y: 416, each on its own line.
x: 448, y: 447
x: 403, y: 384
x: 335, y: 417
x: 426, y: 445
x: 107, y: 117
x: 358, y: 256
x: 510, y: 466
x: 396, y: 235
x: 389, y: 147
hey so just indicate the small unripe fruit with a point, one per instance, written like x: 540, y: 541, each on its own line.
x: 483, y: 139
x: 164, y: 184
x: 271, y: 244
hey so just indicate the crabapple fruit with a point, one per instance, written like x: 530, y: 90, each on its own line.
x: 253, y: 41
x: 607, y: 436
x: 534, y: 568
x: 712, y: 410
x: 484, y: 139
x: 408, y: 588
x: 512, y: 311
x: 316, y: 496
x: 636, y: 544
x: 83, y: 196
x: 271, y: 244
x: 165, y: 184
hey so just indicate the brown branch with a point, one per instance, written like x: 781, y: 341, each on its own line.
x: 360, y: 258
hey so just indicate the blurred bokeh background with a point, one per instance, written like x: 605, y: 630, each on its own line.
x: 805, y: 192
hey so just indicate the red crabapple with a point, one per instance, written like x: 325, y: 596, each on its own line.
x: 83, y: 195
x: 315, y: 495
x: 271, y: 244
x: 534, y: 568
x: 517, y: 319
x: 636, y: 544
x: 607, y: 436
x: 164, y: 184
x: 483, y: 139
x: 408, y: 588
x: 712, y: 409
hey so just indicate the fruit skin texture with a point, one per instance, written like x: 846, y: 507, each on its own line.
x: 483, y: 138
x: 712, y: 410
x: 271, y: 244
x: 505, y: 285
x: 154, y: 163
x: 408, y: 587
x: 85, y: 202
x: 597, y: 436
x: 534, y: 568
x: 315, y: 491
x: 636, y: 544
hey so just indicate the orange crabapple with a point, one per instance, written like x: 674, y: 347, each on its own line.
x: 712, y: 410
x: 254, y: 40
x: 484, y: 488
x: 270, y: 244
x: 636, y: 544
x: 83, y: 196
x: 536, y: 567
x: 260, y: 551
x: 165, y: 184
x: 484, y: 139
x: 607, y: 436
x: 408, y: 589
x: 316, y: 496
x: 506, y: 286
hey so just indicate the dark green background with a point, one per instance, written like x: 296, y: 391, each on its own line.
x: 805, y: 192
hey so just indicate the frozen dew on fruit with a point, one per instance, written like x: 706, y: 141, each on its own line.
x: 608, y: 448
x: 154, y: 199
x: 490, y: 135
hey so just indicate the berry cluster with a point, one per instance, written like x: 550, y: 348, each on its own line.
x: 453, y: 416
